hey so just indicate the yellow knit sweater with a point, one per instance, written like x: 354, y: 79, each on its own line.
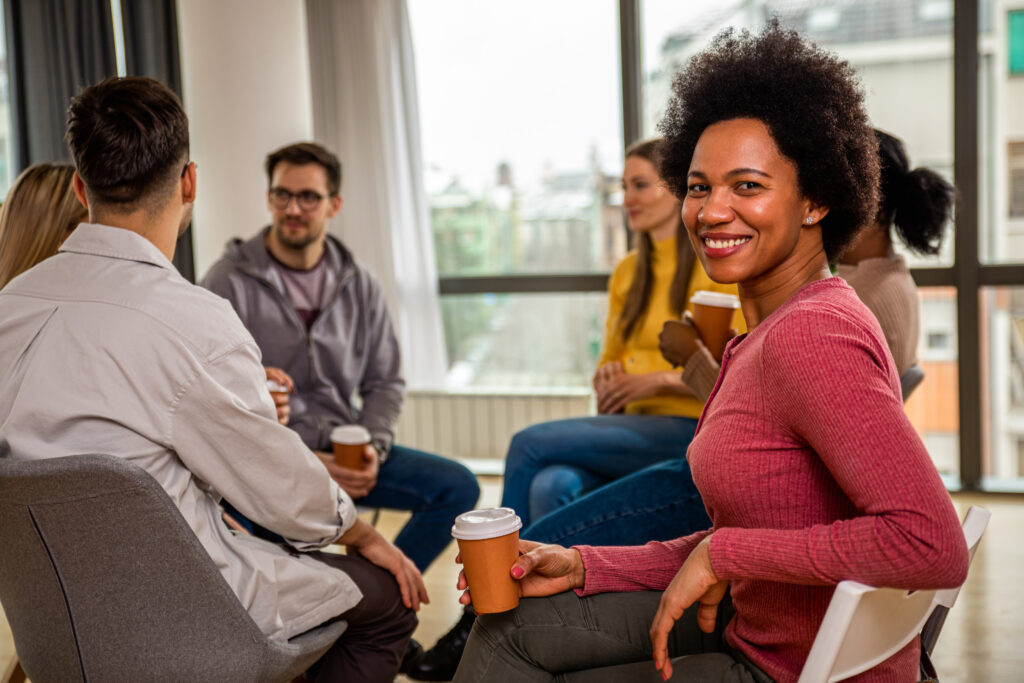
x: 640, y: 354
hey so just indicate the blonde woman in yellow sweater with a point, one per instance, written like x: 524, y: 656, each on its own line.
x: 619, y: 478
x: 647, y: 414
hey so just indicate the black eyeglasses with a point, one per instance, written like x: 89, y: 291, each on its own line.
x: 307, y: 199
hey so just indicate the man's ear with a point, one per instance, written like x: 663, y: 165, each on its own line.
x: 336, y: 202
x: 78, y: 185
x: 188, y: 184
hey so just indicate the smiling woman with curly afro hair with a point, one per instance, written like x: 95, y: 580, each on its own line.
x: 803, y: 457
x: 811, y: 103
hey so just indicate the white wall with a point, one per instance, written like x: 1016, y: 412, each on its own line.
x: 246, y: 86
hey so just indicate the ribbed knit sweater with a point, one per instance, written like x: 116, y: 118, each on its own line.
x: 888, y: 290
x: 811, y: 474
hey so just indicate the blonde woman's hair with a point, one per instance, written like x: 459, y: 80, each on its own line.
x: 39, y: 212
x: 639, y: 294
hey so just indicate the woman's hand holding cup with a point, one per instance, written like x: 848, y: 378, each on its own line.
x: 679, y: 339
x: 541, y: 569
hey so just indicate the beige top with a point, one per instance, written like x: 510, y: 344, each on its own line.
x: 105, y: 348
x: 887, y: 289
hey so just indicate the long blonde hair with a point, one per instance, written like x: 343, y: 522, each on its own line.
x: 639, y: 294
x: 40, y: 211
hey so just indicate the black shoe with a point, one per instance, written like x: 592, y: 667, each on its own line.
x: 413, y: 651
x: 440, y: 662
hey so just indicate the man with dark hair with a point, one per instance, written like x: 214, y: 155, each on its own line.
x: 105, y: 348
x: 320, y: 316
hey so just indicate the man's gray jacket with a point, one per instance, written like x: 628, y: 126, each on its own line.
x: 349, y: 355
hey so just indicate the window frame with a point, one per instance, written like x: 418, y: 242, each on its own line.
x: 967, y: 274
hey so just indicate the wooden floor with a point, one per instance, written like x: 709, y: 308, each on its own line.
x: 982, y: 642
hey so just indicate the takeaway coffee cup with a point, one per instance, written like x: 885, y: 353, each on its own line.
x: 276, y: 388
x: 349, y: 442
x: 712, y: 314
x: 489, y: 544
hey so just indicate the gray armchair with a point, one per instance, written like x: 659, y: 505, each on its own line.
x: 102, y: 580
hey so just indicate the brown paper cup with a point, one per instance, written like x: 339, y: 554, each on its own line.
x: 276, y: 389
x: 487, y: 564
x: 713, y: 317
x: 350, y: 455
x: 349, y: 443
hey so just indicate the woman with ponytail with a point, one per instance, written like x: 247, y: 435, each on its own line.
x: 918, y: 203
x: 647, y: 414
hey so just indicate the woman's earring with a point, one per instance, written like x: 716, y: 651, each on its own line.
x: 809, y: 220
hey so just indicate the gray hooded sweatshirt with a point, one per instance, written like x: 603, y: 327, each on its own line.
x: 347, y: 367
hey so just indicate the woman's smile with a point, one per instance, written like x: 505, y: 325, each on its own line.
x: 720, y: 245
x: 743, y: 208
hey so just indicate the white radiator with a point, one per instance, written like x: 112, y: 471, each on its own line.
x: 476, y: 427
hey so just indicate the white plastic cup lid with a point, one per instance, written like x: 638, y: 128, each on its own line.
x: 720, y: 299
x: 477, y: 525
x: 274, y: 385
x: 350, y: 434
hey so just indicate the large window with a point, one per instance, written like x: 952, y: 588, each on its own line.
x: 1001, y: 167
x: 521, y: 134
x: 522, y: 138
x: 1002, y: 356
x: 524, y: 199
x: 933, y: 407
x: 523, y: 341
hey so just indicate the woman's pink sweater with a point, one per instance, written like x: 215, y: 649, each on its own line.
x: 811, y: 474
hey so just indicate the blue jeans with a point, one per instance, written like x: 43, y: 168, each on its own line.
x: 551, y: 464
x: 658, y: 503
x: 434, y: 489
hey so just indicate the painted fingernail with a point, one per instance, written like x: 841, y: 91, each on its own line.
x: 517, y: 572
x: 663, y: 676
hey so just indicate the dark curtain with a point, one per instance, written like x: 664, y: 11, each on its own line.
x: 151, y: 49
x: 54, y: 49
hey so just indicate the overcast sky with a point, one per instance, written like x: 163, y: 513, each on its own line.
x: 539, y: 85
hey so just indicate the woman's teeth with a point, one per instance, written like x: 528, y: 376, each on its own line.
x: 724, y: 244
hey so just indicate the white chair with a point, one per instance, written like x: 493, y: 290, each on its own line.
x: 864, y: 625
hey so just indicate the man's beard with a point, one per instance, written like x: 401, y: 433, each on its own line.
x: 295, y: 242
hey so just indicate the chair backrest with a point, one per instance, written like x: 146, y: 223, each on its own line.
x: 102, y: 579
x: 910, y: 379
x: 975, y: 522
x: 862, y: 628
x: 864, y: 625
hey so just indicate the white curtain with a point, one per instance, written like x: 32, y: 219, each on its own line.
x: 365, y: 110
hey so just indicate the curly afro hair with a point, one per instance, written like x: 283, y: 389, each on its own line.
x: 811, y: 102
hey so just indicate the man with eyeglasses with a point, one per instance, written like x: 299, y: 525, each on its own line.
x: 319, y: 316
